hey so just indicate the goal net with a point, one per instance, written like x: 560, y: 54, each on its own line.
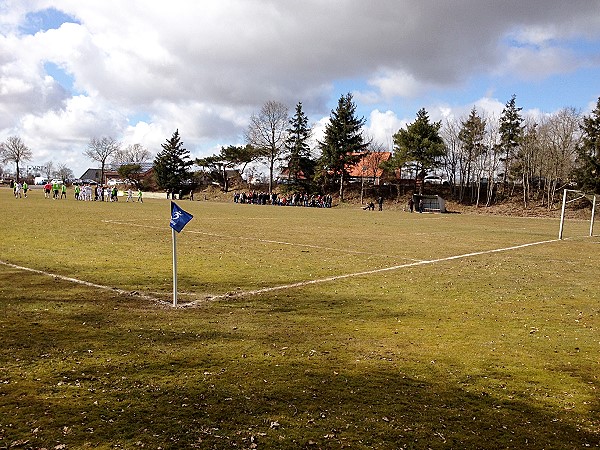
x: 571, y: 197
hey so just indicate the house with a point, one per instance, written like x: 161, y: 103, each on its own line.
x: 91, y: 175
x: 368, y: 166
x: 284, y: 176
x: 111, y: 174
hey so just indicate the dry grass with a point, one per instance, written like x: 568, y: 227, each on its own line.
x: 497, y: 350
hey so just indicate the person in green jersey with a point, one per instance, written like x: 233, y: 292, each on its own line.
x: 63, y: 191
x: 55, y: 188
x: 139, y: 195
x: 25, y: 188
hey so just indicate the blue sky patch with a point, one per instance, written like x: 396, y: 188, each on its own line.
x: 60, y: 75
x: 44, y: 20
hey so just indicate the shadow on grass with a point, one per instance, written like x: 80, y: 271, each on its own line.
x: 80, y: 371
x: 182, y: 405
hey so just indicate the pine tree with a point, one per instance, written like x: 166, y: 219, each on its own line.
x: 420, y: 143
x: 588, y: 172
x: 471, y: 136
x: 511, y: 132
x: 342, y: 142
x: 171, y: 165
x: 299, y: 163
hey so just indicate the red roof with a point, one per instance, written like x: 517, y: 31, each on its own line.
x: 368, y: 165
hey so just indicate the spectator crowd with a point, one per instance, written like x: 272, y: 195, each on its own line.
x: 295, y: 199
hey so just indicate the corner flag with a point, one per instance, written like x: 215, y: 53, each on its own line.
x: 179, y: 217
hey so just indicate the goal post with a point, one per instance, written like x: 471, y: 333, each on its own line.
x: 578, y: 195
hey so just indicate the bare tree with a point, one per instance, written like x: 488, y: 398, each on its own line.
x: 493, y: 156
x: 63, y: 172
x: 48, y: 169
x: 267, y: 133
x: 561, y: 136
x: 453, y: 159
x: 100, y: 150
x: 528, y: 161
x: 14, y: 150
x: 132, y: 154
x: 371, y: 164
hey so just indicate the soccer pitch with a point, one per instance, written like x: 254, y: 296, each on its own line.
x: 298, y: 327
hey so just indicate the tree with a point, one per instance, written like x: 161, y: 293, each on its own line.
x: 63, y: 172
x: 588, y: 152
x: 453, y: 157
x: 129, y: 162
x: 14, y: 150
x: 229, y: 157
x: 267, y: 133
x: 300, y: 165
x: 511, y: 132
x: 130, y: 155
x: 239, y: 156
x: 420, y: 142
x: 343, y: 141
x: 48, y: 169
x: 372, y: 165
x: 471, y: 136
x: 132, y: 173
x: 171, y: 165
x: 559, y: 139
x: 100, y: 150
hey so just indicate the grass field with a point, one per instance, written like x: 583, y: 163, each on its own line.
x: 298, y: 328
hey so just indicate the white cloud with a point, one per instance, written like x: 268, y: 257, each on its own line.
x: 204, y: 67
x: 398, y: 84
x: 382, y: 125
x: 538, y: 63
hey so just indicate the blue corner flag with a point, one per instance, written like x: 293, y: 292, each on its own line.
x: 179, y: 218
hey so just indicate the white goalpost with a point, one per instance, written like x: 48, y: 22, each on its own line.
x: 578, y: 196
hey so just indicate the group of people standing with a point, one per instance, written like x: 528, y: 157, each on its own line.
x: 86, y: 192
x: 19, y: 190
x: 296, y: 199
x: 54, y: 188
x: 103, y: 194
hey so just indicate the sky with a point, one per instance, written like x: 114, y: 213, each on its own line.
x: 137, y: 70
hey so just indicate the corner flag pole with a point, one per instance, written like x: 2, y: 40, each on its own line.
x: 179, y: 218
x: 174, y: 267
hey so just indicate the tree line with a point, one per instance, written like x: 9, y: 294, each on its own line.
x: 484, y: 158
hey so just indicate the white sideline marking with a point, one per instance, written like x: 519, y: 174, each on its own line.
x: 275, y: 288
x: 367, y: 272
x: 266, y: 241
x: 84, y: 283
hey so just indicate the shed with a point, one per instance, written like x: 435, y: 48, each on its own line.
x: 431, y: 203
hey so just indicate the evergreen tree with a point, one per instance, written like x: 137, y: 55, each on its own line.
x: 511, y: 132
x: 419, y: 143
x: 171, y: 165
x: 588, y: 172
x: 471, y: 136
x: 342, y: 142
x: 299, y: 163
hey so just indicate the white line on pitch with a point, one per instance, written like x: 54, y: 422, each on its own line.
x: 368, y: 272
x: 266, y: 241
x: 85, y: 283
